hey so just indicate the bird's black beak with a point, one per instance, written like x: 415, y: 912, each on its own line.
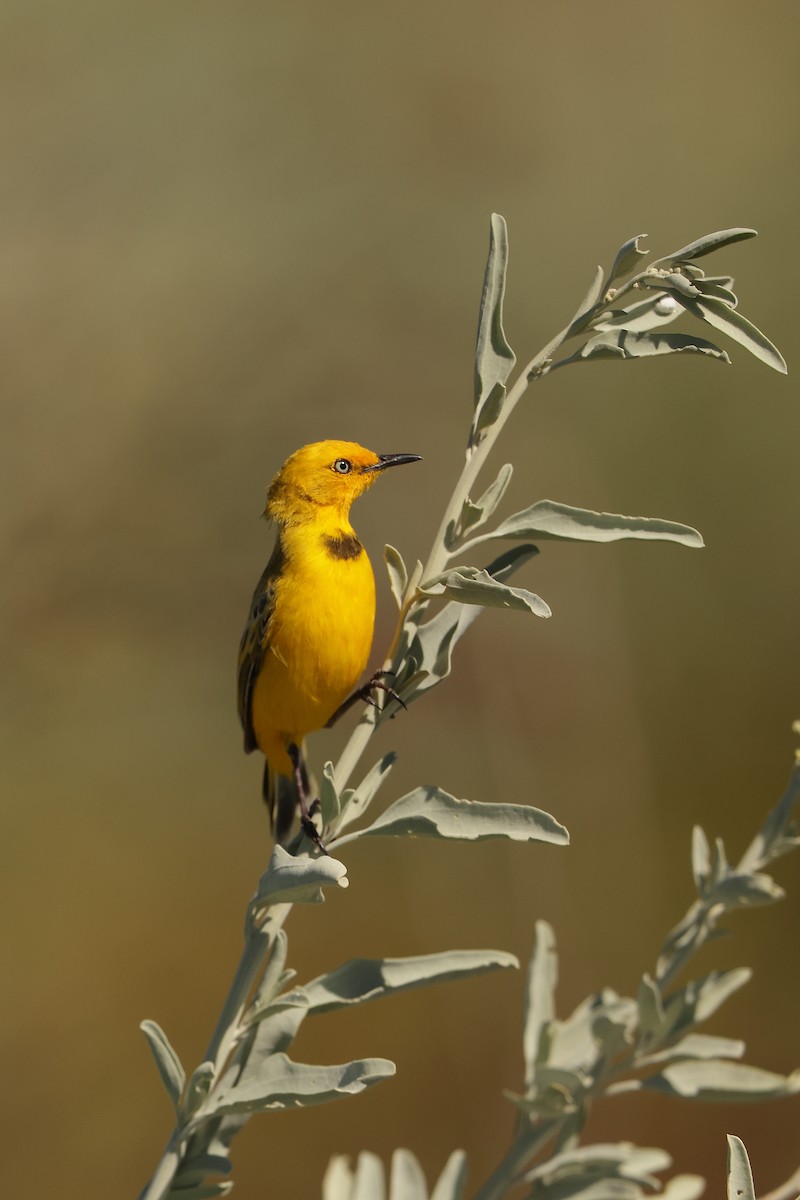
x: 391, y: 460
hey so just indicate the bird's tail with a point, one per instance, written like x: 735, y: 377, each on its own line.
x: 280, y: 797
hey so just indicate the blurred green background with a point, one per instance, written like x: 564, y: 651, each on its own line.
x: 227, y: 230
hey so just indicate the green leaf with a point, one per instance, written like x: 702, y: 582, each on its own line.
x: 275, y: 975
x: 540, y: 1009
x: 355, y: 801
x: 737, y: 890
x: 696, y: 1045
x: 738, y: 328
x: 363, y: 979
x: 624, y: 344
x: 627, y: 259
x: 740, y: 1177
x: 451, y: 1184
x: 430, y: 812
x: 494, y: 358
x: 710, y: 287
x: 282, y: 1084
x: 329, y: 803
x: 368, y: 1182
x: 169, y: 1066
x: 715, y: 988
x: 469, y: 585
x: 589, y: 301
x: 297, y: 880
x: 603, y: 1160
x: 475, y: 513
x: 651, y: 1008
x: 548, y: 519
x: 701, y: 859
x: 491, y: 497
x: 721, y: 1081
x: 684, y: 1187
x: 398, y: 575
x: 406, y: 1180
x: 697, y: 1001
x: 778, y: 833
x: 709, y: 243
x: 488, y: 413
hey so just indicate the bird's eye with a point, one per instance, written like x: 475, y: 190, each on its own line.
x: 343, y: 466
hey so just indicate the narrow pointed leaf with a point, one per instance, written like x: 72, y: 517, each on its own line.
x: 778, y: 829
x: 709, y: 243
x: 548, y: 519
x: 488, y: 413
x: 740, y: 1177
x: 494, y: 358
x: 430, y: 812
x: 624, y: 344
x: 540, y: 1008
x: 406, y: 1180
x: 603, y: 1160
x: 737, y: 890
x: 701, y: 859
x: 337, y: 1182
x: 452, y: 1182
x: 468, y: 585
x: 717, y: 987
x: 364, y: 979
x: 731, y: 322
x: 477, y: 513
x: 589, y: 300
x: 367, y: 1182
x: 651, y: 1008
x: 398, y: 575
x: 282, y: 1083
x: 721, y: 1081
x: 493, y: 494
x: 370, y: 1178
x: 710, y: 287
x: 684, y: 1187
x: 329, y: 802
x: 355, y: 801
x: 275, y: 974
x: 696, y: 1045
x: 169, y: 1066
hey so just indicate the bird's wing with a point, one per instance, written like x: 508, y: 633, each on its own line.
x: 255, y: 641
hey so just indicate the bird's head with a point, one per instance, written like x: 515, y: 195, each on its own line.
x: 328, y: 474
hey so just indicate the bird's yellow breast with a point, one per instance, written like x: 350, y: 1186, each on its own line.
x: 319, y: 637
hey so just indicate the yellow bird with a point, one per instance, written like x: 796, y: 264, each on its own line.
x: 309, y: 631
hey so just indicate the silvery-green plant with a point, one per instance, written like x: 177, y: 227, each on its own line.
x: 612, y: 1044
x: 246, y: 1068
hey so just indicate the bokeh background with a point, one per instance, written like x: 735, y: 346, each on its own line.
x: 229, y: 229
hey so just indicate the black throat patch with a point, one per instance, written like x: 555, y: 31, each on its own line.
x: 343, y: 545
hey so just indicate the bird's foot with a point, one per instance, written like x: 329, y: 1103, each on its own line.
x: 364, y: 693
